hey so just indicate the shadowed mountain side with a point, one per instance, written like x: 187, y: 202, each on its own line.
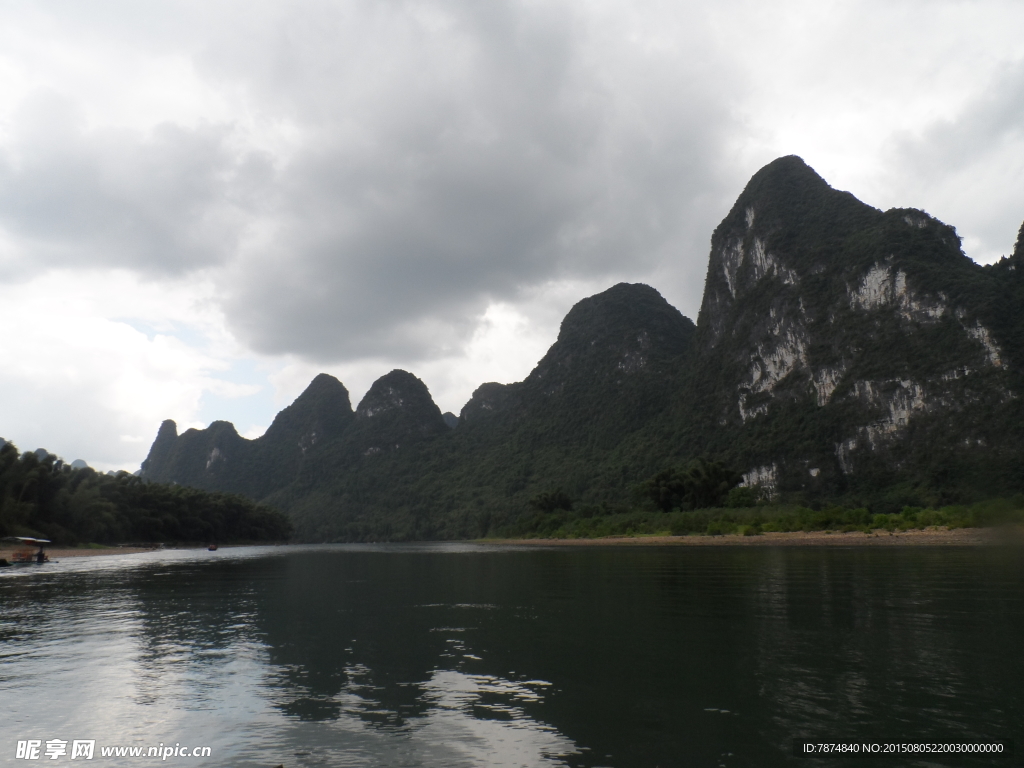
x: 215, y: 458
x: 601, y: 370
x: 218, y: 458
x: 616, y: 365
x: 1002, y: 303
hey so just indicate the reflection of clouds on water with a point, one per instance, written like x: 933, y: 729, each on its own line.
x: 445, y: 707
x: 453, y: 718
x: 268, y: 666
x: 481, y: 719
x: 462, y: 720
x: 105, y: 664
x: 658, y: 658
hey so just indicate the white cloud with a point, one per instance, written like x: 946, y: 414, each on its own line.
x: 91, y: 366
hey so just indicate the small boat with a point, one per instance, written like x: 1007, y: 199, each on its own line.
x: 212, y: 547
x: 26, y: 555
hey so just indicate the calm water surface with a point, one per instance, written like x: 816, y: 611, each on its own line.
x: 464, y: 655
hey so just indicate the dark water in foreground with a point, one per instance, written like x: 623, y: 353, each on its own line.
x: 459, y: 655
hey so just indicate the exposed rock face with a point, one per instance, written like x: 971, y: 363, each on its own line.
x: 215, y: 458
x: 817, y: 302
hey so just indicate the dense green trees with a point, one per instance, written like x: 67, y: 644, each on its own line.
x: 42, y: 496
x: 699, y: 485
x: 752, y: 521
x: 549, y: 501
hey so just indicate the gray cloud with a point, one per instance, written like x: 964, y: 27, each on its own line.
x: 372, y: 174
x: 435, y: 156
x: 490, y: 148
x: 166, y: 202
x: 973, y: 163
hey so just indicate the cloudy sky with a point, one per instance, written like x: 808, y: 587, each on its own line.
x: 205, y: 203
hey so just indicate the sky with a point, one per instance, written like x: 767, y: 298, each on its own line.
x: 203, y: 204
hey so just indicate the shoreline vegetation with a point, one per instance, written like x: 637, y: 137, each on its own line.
x: 928, y: 537
x: 776, y: 522
x: 82, y: 511
x: 43, y: 497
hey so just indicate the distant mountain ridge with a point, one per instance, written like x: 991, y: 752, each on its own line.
x: 218, y: 458
x: 840, y: 352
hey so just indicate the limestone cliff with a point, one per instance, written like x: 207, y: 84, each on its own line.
x: 833, y: 333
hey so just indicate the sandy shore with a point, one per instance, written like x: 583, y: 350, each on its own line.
x: 931, y: 537
x: 60, y: 554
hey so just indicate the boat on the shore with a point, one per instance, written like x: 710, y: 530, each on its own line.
x: 26, y: 555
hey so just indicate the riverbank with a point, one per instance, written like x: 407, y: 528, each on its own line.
x: 60, y: 553
x: 929, y: 537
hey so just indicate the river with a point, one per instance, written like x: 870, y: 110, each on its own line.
x: 477, y: 655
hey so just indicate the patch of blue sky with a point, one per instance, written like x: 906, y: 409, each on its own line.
x: 250, y: 413
x: 186, y: 334
x: 147, y: 329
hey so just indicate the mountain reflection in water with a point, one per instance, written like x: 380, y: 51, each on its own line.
x: 461, y: 655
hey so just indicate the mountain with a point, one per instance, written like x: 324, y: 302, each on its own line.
x: 613, y: 368
x: 841, y: 353
x: 396, y: 411
x: 609, y: 370
x: 396, y: 469
x: 218, y: 458
x: 841, y: 347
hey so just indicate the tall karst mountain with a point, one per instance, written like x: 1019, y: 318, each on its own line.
x: 841, y: 353
x: 840, y: 345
